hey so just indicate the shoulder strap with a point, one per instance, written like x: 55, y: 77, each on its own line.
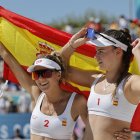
x: 121, y: 84
x: 96, y: 80
x: 123, y: 81
x: 69, y: 104
x: 39, y: 100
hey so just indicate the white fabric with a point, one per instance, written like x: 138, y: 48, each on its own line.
x: 102, y: 105
x: 55, y: 129
x: 103, y: 42
x: 44, y: 62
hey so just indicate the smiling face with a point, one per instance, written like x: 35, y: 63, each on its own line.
x: 46, y: 79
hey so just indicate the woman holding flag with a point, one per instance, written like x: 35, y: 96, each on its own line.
x: 115, y: 92
x: 56, y: 110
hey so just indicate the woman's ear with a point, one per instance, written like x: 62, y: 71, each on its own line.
x: 63, y: 81
x: 59, y: 76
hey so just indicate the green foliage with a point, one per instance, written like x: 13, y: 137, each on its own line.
x: 79, y: 21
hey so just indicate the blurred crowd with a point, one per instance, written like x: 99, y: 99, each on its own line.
x: 15, y: 104
x: 15, y: 99
x: 132, y: 24
x: 119, y: 23
x: 22, y: 102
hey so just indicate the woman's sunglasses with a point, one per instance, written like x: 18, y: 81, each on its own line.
x: 47, y: 73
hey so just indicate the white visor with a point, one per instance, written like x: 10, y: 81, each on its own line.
x: 46, y: 63
x: 105, y: 40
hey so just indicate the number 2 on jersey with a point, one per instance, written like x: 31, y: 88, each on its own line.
x: 46, y: 123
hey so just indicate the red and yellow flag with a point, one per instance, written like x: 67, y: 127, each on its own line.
x: 25, y: 38
x: 135, y: 123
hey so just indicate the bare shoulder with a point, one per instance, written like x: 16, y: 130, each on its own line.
x: 80, y: 99
x: 80, y: 103
x: 133, y: 78
x: 79, y: 107
x: 35, y: 92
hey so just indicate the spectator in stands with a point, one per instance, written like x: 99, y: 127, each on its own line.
x: 3, y: 108
x: 123, y: 22
x: 13, y: 86
x: 98, y: 25
x: 68, y: 28
x: 24, y: 103
x: 113, y: 25
x: 17, y: 135
x: 13, y: 107
x: 133, y: 29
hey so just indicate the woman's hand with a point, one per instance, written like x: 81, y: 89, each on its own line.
x: 136, y: 46
x: 136, y: 51
x: 79, y: 38
x: 75, y: 41
x: 125, y: 134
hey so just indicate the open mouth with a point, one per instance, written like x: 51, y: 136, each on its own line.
x: 44, y: 84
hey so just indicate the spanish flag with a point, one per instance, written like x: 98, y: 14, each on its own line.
x: 64, y: 122
x: 135, y: 123
x: 115, y: 101
x: 25, y: 38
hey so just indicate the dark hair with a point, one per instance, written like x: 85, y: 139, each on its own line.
x: 123, y: 36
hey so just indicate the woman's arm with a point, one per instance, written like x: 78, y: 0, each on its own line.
x: 77, y: 40
x: 78, y: 76
x: 80, y: 109
x: 22, y: 76
x: 136, y: 51
x: 88, y: 132
x: 135, y: 79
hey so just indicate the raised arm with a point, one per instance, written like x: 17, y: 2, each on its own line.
x: 77, y: 40
x: 136, y: 51
x: 135, y: 80
x: 22, y: 76
x: 76, y: 75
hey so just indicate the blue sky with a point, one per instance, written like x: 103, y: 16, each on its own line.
x: 46, y: 11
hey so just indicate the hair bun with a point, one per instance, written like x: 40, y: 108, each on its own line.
x: 127, y: 34
x: 125, y: 30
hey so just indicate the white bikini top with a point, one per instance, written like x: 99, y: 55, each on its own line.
x: 55, y: 127
x: 105, y: 105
